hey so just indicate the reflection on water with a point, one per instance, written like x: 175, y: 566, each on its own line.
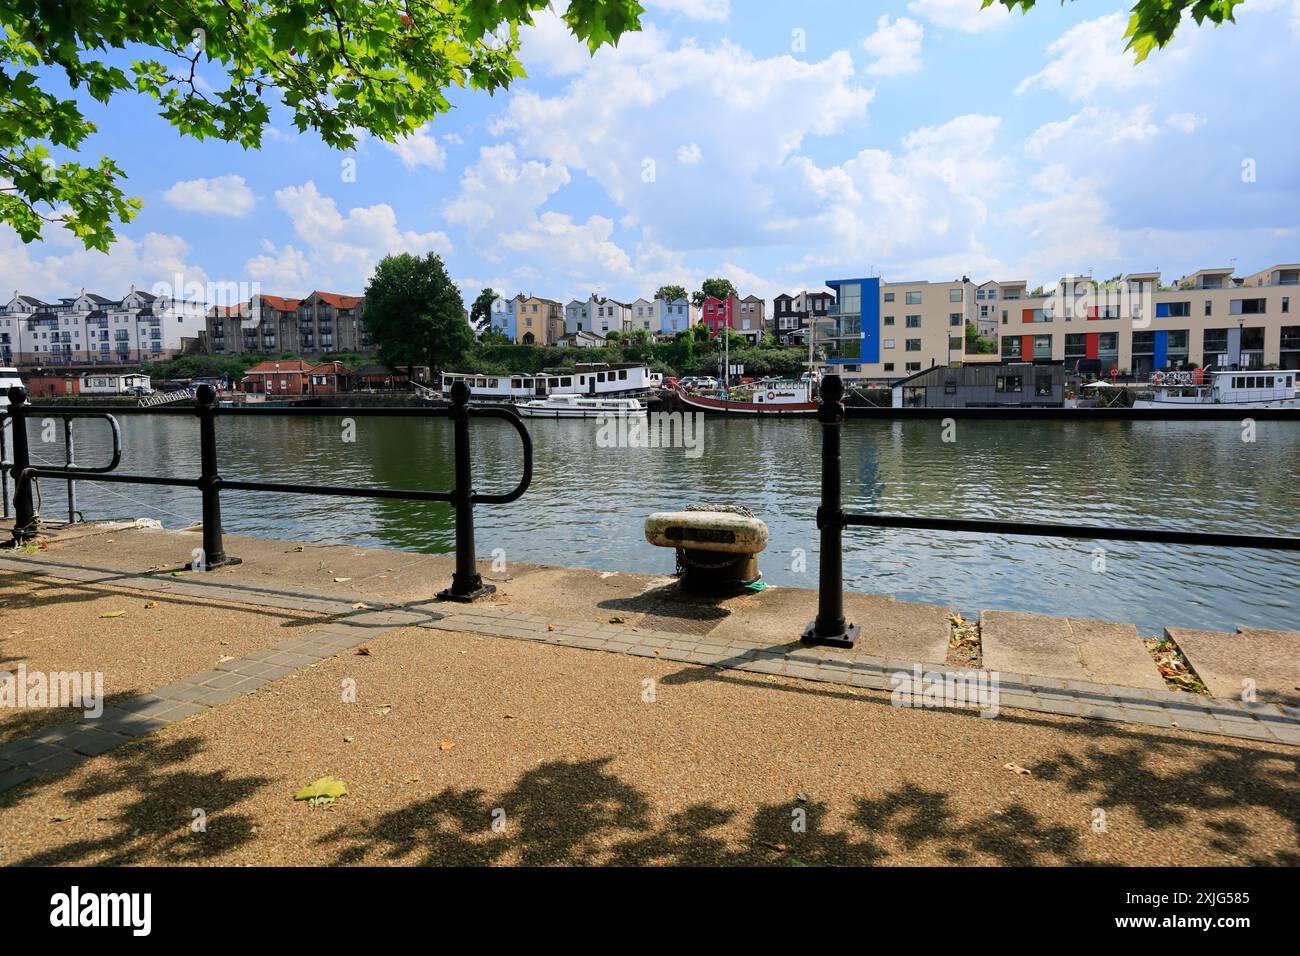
x: 587, y: 503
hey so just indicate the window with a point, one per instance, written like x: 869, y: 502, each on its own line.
x: 950, y: 386
x: 1215, y: 340
x: 913, y: 366
x: 914, y: 345
x: 1011, y: 346
x: 954, y: 295
x: 889, y: 343
x: 1076, y: 346
x: 1249, y: 306
x: 954, y: 343
x: 889, y: 297
x: 1043, y: 386
x: 889, y: 366
x: 889, y: 319
x: 913, y: 298
x: 1286, y: 303
x: 1008, y: 383
x: 954, y: 318
x: 1209, y: 306
x: 913, y: 321
x: 1004, y: 316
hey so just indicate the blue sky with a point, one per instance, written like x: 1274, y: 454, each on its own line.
x: 777, y: 144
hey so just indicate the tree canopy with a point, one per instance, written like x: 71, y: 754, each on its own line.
x: 216, y: 69
x: 480, y: 313
x: 717, y: 288
x: 414, y: 313
x: 1152, y: 22
x: 672, y: 293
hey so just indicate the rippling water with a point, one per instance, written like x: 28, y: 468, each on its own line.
x: 586, y: 504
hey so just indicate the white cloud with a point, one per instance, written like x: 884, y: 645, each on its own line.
x: 340, y: 250
x: 689, y: 154
x: 1091, y: 129
x: 1185, y: 122
x: 35, y: 270
x: 499, y: 206
x: 283, y: 271
x: 963, y: 15
x: 421, y: 148
x: 895, y: 47
x: 694, y: 9
x: 649, y: 92
x: 548, y: 46
x: 1090, y: 57
x: 227, y: 195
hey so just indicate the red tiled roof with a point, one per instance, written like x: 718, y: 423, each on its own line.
x: 279, y: 366
x: 337, y: 368
x: 279, y: 302
x: 338, y: 299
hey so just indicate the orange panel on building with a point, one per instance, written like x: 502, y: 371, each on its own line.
x: 1026, y: 347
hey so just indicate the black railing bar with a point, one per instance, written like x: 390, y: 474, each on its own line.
x: 379, y: 411
x: 29, y: 473
x: 231, y: 484
x: 1215, y: 539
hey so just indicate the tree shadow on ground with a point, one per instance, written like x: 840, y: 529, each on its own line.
x: 155, y: 824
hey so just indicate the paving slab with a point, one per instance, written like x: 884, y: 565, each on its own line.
x: 1100, y: 652
x: 1271, y: 659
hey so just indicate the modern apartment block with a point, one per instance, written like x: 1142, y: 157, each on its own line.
x: 321, y: 323
x: 91, y: 329
x: 1132, y: 324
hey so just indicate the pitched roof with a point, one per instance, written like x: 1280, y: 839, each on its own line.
x: 272, y: 366
x: 338, y: 299
x: 279, y: 302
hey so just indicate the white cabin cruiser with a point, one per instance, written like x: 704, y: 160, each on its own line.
x: 1255, y: 388
x: 576, y: 406
x: 9, y: 377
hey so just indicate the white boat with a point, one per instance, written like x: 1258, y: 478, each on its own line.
x: 1277, y: 388
x: 592, y: 380
x: 8, y: 379
x: 576, y: 406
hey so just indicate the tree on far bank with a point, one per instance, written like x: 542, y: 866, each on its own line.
x: 480, y: 313
x: 716, y: 288
x: 414, y: 313
x: 673, y: 293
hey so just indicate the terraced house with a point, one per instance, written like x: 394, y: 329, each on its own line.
x: 321, y: 323
x: 91, y: 329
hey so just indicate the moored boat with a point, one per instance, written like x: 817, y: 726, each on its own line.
x: 764, y: 398
x: 577, y: 406
x: 1172, y: 391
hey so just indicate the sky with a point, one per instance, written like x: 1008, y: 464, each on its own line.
x: 777, y: 144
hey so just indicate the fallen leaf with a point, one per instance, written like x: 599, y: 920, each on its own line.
x: 383, y: 709
x: 446, y: 745
x: 112, y: 614
x: 324, y: 790
x: 60, y: 817
x: 359, y: 606
x: 363, y: 651
x: 415, y: 779
x: 149, y: 604
x: 341, y: 580
x: 223, y: 658
x: 616, y: 620
x: 550, y: 627
x: 349, y: 738
x: 1016, y: 768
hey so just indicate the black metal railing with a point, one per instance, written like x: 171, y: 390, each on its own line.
x: 831, y: 626
x: 466, y: 584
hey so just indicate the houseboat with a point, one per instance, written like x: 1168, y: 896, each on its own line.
x: 761, y: 398
x: 1243, y: 389
x: 593, y: 380
x: 576, y: 406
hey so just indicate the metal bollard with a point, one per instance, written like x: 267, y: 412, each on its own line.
x: 26, y: 520
x: 466, y: 583
x: 214, y: 551
x: 830, y: 627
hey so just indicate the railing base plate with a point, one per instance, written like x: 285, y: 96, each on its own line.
x: 847, y: 639
x: 449, y: 595
x: 224, y: 561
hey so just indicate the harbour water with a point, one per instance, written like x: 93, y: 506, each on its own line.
x: 587, y: 503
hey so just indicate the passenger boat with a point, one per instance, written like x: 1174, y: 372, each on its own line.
x: 1243, y: 389
x: 9, y: 378
x: 588, y: 379
x: 576, y: 406
x: 763, y: 398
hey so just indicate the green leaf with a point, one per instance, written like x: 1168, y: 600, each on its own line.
x: 324, y: 790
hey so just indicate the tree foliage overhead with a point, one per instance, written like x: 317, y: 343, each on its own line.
x: 216, y: 68
x: 672, y: 293
x: 717, y: 288
x: 414, y: 313
x: 480, y: 313
x: 1152, y: 22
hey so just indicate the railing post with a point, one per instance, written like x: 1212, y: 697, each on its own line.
x: 214, y: 551
x: 26, y: 520
x: 830, y: 627
x: 466, y: 583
